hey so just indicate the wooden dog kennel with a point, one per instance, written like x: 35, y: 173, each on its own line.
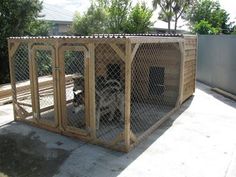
x: 155, y: 74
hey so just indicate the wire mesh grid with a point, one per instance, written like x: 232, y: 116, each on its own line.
x: 154, y: 85
x: 75, y: 88
x: 109, y: 96
x: 21, y: 76
x: 45, y: 83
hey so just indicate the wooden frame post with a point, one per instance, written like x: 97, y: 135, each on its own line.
x: 31, y: 55
x: 12, y: 48
x: 181, y: 75
x: 92, y: 104
x: 127, y: 93
x: 57, y: 70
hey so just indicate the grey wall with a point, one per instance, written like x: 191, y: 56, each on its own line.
x: 216, y: 64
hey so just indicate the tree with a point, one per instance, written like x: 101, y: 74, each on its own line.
x: 15, y: 18
x: 118, y: 13
x: 179, y: 7
x: 112, y: 16
x: 171, y: 10
x: 166, y: 13
x: 204, y: 27
x: 139, y: 19
x: 39, y: 28
x: 93, y: 21
x: 211, y: 12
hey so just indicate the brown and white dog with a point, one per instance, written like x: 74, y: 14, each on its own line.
x: 109, y: 98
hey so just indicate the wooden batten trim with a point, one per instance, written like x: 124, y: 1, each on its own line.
x: 133, y: 137
x: 154, y: 127
x: 134, y: 52
x: 118, y: 51
x: 118, y: 139
x: 138, y: 39
x: 181, y: 75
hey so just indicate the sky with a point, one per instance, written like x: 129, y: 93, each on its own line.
x: 64, y: 10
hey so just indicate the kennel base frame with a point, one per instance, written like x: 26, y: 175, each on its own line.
x: 126, y: 139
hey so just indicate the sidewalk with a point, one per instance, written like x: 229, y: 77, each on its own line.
x: 197, y: 141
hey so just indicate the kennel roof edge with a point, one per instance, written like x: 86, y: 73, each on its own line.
x: 134, y: 38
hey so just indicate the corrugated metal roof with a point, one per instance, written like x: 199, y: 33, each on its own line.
x: 94, y: 36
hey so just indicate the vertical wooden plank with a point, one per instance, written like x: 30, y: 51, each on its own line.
x: 56, y: 86
x: 91, y: 84
x: 31, y: 76
x: 62, y: 88
x: 36, y: 114
x: 86, y: 87
x: 12, y: 76
x: 181, y: 76
x: 55, y: 79
x: 127, y: 93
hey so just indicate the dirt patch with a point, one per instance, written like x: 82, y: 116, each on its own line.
x: 27, y: 156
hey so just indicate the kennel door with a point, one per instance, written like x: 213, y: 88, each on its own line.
x: 44, y: 85
x: 74, y: 89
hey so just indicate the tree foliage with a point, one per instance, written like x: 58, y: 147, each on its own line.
x: 211, y: 12
x: 204, y: 27
x: 118, y: 14
x: 93, y: 21
x: 139, y: 19
x: 15, y: 18
x: 113, y: 16
x: 39, y: 28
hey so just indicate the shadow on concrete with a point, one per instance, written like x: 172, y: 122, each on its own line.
x: 96, y: 161
x: 207, y: 89
x: 25, y: 154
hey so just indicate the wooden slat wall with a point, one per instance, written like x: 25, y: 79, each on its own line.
x: 159, y: 55
x: 190, y: 56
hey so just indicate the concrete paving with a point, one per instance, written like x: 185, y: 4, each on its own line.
x: 199, y: 140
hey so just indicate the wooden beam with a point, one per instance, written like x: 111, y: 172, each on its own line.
x: 56, y: 85
x: 181, y: 75
x: 118, y: 139
x: 118, y: 51
x: 134, y: 52
x: 127, y: 93
x: 133, y: 137
x: 13, y: 48
x: 92, y: 105
x: 12, y: 76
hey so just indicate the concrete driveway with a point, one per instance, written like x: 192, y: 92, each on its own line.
x: 197, y: 141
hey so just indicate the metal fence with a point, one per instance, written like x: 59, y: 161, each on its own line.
x: 216, y: 64
x: 107, y: 91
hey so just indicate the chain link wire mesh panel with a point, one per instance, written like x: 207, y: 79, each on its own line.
x: 74, y: 62
x: 155, y: 84
x: 22, y: 76
x: 44, y: 65
x: 110, y: 89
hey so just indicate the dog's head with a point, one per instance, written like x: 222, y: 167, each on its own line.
x: 78, y: 80
x: 78, y: 91
x: 78, y: 101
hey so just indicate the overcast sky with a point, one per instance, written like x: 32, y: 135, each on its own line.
x: 65, y: 9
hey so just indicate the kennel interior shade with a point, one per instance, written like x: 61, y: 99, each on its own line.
x: 111, y: 90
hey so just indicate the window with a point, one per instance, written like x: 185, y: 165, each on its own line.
x: 156, y: 80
